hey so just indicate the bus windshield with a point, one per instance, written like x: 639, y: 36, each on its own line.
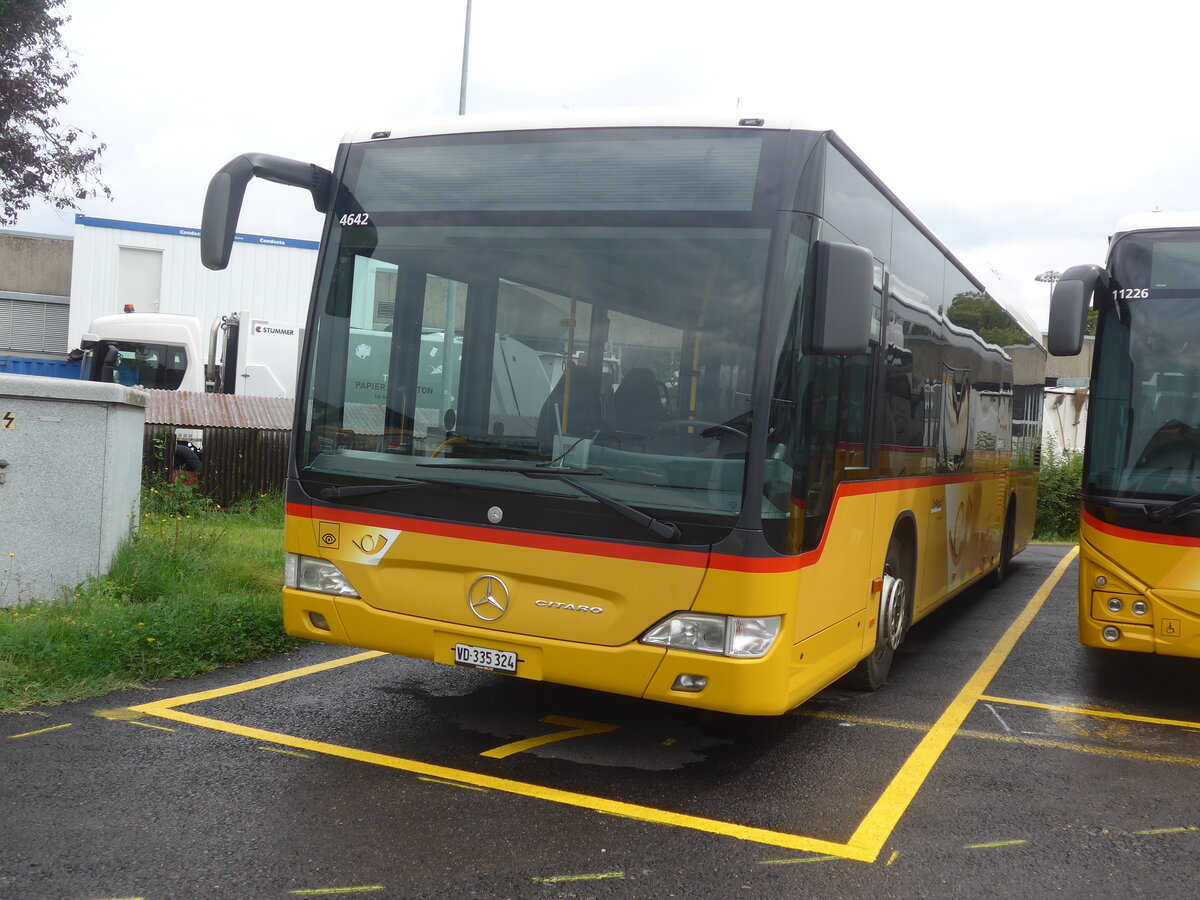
x: 542, y: 307
x: 1145, y: 426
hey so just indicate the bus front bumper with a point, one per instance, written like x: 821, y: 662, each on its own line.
x: 740, y: 686
x: 1117, y: 611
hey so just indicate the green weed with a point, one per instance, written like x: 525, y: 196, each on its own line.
x: 1058, y: 497
x: 194, y: 588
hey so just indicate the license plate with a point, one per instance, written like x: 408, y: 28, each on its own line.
x: 485, y: 658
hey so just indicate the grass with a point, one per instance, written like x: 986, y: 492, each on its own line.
x: 196, y: 588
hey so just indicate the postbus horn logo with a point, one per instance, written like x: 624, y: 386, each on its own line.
x: 488, y: 598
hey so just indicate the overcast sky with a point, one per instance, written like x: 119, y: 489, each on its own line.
x: 1018, y: 131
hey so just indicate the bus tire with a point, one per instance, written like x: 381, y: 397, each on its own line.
x: 996, y: 577
x: 892, y: 623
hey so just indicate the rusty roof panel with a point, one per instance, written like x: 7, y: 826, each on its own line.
x: 195, y: 410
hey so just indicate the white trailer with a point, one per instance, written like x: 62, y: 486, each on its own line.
x: 156, y: 269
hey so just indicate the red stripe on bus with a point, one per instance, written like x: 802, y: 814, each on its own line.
x: 600, y: 547
x: 588, y: 546
x: 1144, y: 537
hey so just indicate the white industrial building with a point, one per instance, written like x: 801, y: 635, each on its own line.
x: 53, y: 286
x: 156, y: 268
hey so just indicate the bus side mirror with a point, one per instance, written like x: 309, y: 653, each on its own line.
x: 845, y: 281
x: 1069, y: 304
x: 223, y: 202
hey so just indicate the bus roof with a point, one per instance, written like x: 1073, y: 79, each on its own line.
x: 571, y: 118
x: 666, y: 117
x: 1158, y: 219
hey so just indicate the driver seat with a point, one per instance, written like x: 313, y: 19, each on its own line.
x: 638, y: 403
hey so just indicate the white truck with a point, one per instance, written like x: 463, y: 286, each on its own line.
x: 166, y: 351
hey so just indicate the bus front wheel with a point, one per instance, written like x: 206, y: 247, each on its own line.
x: 892, y: 624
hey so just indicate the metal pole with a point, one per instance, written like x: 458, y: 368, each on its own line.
x: 462, y: 90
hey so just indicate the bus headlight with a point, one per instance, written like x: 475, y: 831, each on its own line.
x: 307, y: 573
x: 736, y: 636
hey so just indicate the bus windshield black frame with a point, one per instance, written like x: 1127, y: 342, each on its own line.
x: 600, y: 297
x: 1144, y: 423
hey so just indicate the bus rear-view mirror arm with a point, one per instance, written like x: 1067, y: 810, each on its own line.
x: 223, y: 202
x: 1069, y: 303
x: 845, y: 279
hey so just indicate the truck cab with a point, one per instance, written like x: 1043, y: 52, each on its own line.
x: 152, y: 350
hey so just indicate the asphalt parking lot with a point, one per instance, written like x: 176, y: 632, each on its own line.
x: 1002, y: 759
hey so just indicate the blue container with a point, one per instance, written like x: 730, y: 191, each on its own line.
x: 54, y: 368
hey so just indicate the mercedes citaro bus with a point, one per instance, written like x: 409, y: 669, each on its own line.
x: 685, y: 408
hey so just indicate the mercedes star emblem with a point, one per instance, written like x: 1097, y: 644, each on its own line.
x: 488, y: 598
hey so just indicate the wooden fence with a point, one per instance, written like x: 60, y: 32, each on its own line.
x: 238, y: 462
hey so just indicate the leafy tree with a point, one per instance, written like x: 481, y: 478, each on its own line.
x: 39, y: 157
x: 983, y: 315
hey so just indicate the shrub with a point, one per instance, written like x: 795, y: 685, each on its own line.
x: 1058, y: 496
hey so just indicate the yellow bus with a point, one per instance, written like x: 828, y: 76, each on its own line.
x: 689, y: 409
x: 1139, y: 535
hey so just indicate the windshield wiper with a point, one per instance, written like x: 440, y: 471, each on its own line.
x: 668, y: 531
x: 1174, y: 510
x: 358, y: 490
x: 1156, y: 514
x: 361, y: 490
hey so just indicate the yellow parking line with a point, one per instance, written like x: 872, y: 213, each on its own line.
x: 554, y: 879
x: 1182, y: 830
x: 861, y: 720
x: 153, y: 707
x: 994, y: 844
x: 120, y: 714
x: 14, y: 737
x: 576, y: 728
x: 520, y: 788
x: 789, y: 862
x: 285, y: 752
x: 457, y: 784
x: 885, y: 814
x: 148, y: 725
x: 1093, y: 749
x: 1024, y: 740
x: 864, y: 845
x: 1095, y: 713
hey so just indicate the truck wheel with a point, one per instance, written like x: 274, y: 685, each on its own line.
x: 892, y: 623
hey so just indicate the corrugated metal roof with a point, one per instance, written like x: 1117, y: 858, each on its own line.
x: 195, y: 410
